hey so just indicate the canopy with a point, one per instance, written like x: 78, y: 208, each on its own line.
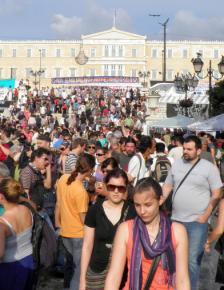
x: 174, y: 122
x: 172, y: 96
x: 213, y: 124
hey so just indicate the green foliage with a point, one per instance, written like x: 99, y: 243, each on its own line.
x: 217, y: 100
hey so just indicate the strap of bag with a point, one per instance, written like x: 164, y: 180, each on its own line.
x: 182, y: 181
x: 152, y: 272
x: 140, y: 160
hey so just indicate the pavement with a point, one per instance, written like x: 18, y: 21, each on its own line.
x: 206, y: 282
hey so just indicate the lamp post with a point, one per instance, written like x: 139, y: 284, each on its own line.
x: 38, y: 73
x: 144, y: 75
x: 198, y: 65
x: 185, y: 83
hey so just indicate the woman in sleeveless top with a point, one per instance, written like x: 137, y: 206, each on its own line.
x: 16, y: 262
x: 149, y: 235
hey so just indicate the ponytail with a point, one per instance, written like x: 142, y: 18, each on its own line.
x: 84, y: 163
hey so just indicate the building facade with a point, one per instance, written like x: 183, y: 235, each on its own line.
x: 110, y: 53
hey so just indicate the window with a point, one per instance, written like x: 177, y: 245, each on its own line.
x: 113, y: 50
x: 92, y: 72
x: 72, y: 72
x: 29, y: 52
x: 43, y: 52
x: 106, y: 68
x: 185, y: 53
x: 170, y: 75
x: 57, y: 72
x: 120, y: 70
x: 134, y: 52
x: 106, y: 50
x: 169, y: 53
x: 113, y: 70
x: 154, y: 74
x: 120, y: 50
x: 13, y: 72
x: 154, y: 53
x: 28, y: 72
x: 216, y: 53
x: 1, y: 52
x: 58, y: 52
x: 93, y: 52
x: 14, y: 52
x: 72, y: 52
x: 134, y: 73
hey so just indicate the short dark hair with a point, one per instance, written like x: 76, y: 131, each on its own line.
x: 144, y: 143
x: 38, y: 153
x: 77, y: 142
x: 110, y: 161
x: 130, y: 140
x: 195, y: 139
x: 160, y: 147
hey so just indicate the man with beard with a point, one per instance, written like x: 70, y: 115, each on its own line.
x: 194, y: 198
x: 125, y: 157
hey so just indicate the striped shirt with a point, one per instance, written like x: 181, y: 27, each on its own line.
x: 70, y: 163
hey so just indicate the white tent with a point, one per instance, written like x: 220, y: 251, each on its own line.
x: 174, y: 122
x: 213, y: 124
x: 172, y: 96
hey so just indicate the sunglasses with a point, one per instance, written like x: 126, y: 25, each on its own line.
x: 91, y: 147
x: 120, y: 188
x: 100, y: 154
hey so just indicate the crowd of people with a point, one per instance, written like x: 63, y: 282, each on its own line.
x: 130, y: 210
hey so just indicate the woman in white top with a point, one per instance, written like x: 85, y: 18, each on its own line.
x: 16, y: 261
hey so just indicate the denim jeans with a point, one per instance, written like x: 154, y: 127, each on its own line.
x: 197, y: 235
x: 74, y: 247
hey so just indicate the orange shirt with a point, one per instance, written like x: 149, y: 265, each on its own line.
x: 160, y: 280
x: 72, y: 199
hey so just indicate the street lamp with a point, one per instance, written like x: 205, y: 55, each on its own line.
x: 38, y: 73
x: 185, y: 83
x: 198, y: 65
x: 144, y: 75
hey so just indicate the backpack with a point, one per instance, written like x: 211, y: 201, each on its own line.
x: 43, y: 240
x: 162, y: 167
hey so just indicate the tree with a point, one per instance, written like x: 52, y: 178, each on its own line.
x: 217, y: 98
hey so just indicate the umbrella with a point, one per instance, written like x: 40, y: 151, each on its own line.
x: 174, y: 122
x: 212, y: 124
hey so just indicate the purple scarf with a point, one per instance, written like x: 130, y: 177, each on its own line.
x: 161, y: 246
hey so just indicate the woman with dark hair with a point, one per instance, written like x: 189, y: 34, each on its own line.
x: 149, y: 239
x: 16, y: 261
x: 101, y: 223
x: 71, y: 208
x: 107, y: 166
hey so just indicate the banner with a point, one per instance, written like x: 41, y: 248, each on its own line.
x: 7, y: 83
x: 94, y: 80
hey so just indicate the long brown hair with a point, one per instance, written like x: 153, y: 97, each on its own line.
x: 84, y: 163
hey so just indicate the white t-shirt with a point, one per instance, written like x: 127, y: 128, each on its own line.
x: 135, y: 170
x: 176, y: 153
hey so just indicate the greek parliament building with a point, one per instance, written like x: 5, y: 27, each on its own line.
x: 111, y: 57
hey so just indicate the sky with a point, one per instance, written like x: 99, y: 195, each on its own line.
x: 69, y: 19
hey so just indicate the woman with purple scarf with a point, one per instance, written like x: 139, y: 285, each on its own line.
x: 149, y: 235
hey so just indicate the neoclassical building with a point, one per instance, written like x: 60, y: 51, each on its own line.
x: 109, y: 53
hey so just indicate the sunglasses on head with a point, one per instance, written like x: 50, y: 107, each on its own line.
x: 91, y: 147
x: 120, y: 188
x: 100, y: 154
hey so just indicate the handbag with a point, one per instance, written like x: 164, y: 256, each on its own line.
x: 152, y: 272
x: 219, y: 277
